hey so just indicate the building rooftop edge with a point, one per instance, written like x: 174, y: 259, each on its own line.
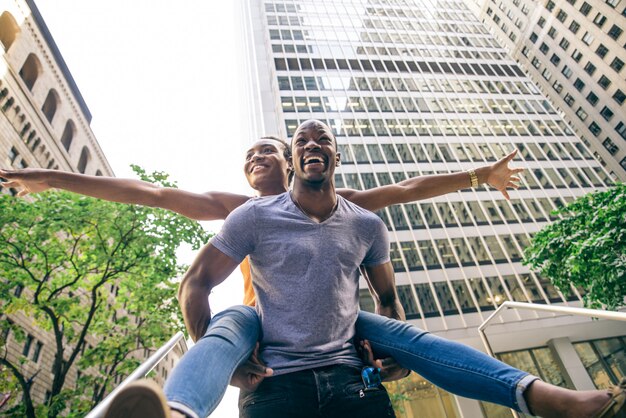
x: 59, y: 58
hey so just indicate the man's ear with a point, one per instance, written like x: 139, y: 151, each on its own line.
x: 290, y: 164
x: 338, y: 159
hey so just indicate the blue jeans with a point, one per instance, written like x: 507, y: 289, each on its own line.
x: 329, y: 392
x: 198, y: 382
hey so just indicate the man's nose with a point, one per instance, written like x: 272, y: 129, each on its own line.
x: 311, y: 144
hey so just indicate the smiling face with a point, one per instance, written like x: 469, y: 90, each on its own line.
x: 314, y: 152
x: 266, y: 167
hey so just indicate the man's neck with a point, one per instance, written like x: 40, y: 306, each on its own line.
x: 318, y: 202
x: 271, y: 190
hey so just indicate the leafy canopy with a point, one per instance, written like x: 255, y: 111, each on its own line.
x: 98, y: 276
x: 586, y: 248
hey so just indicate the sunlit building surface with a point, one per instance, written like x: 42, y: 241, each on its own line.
x: 574, y: 51
x: 44, y: 123
x: 420, y: 87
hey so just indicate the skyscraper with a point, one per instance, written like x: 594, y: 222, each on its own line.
x: 573, y: 50
x: 419, y: 87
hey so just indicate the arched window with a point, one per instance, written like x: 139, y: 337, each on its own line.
x: 68, y: 135
x: 49, y: 107
x: 8, y: 30
x: 99, y: 173
x: 30, y: 70
x: 85, y: 156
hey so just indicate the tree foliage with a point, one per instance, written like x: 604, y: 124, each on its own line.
x: 586, y: 248
x: 98, y: 276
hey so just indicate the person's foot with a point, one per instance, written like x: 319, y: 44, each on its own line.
x: 140, y: 399
x: 616, y: 405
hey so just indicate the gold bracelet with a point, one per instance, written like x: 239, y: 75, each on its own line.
x: 473, y: 178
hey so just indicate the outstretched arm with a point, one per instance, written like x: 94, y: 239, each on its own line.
x: 498, y: 175
x: 198, y: 206
x: 210, y: 268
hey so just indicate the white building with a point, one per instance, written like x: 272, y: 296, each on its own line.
x: 574, y: 51
x: 415, y: 87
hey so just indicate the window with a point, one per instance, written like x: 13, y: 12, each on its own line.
x: 37, y: 351
x: 604, y: 82
x: 525, y: 51
x: 621, y: 129
x: 569, y: 99
x: 533, y: 37
x: 619, y: 96
x: 535, y: 62
x: 582, y: 115
x: 599, y: 20
x: 567, y: 72
x: 49, y: 107
x: 615, y: 31
x: 606, y: 113
x: 574, y: 26
x: 541, y: 22
x: 610, y: 146
x: 617, y: 64
x: 555, y: 59
x: 595, y: 129
x: 602, y: 51
x: 590, y: 68
x: 546, y: 74
x: 552, y: 32
x: 577, y: 55
x: 564, y: 44
x: 579, y: 84
x: 612, y: 3
x: 550, y: 5
x: 68, y: 135
x: 544, y: 48
x: 592, y: 98
x: 27, y: 344
x: 585, y: 8
x: 557, y: 86
x: 13, y: 154
x: 588, y: 38
x: 623, y: 162
x: 85, y: 156
x: 561, y: 15
x: 30, y: 71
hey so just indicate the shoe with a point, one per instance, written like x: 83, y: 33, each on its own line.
x: 616, y: 406
x: 140, y: 399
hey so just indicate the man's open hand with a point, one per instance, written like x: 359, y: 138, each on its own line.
x: 390, y: 370
x: 249, y: 375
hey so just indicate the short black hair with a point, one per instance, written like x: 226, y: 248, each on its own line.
x: 286, y: 151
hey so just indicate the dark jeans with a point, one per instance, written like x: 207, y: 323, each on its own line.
x: 325, y: 392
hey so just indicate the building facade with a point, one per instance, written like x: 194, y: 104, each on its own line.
x: 419, y: 87
x: 574, y: 50
x: 44, y: 123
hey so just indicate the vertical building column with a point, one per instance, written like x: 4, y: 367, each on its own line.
x: 570, y: 363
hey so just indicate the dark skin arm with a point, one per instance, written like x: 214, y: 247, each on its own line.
x: 498, y: 175
x: 381, y: 282
x: 210, y: 268
x: 199, y: 206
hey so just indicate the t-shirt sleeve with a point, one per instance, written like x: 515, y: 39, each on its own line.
x: 237, y: 237
x: 379, y: 250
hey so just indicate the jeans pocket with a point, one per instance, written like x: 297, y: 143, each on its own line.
x: 261, y: 399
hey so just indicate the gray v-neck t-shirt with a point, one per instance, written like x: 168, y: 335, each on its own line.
x: 305, y: 275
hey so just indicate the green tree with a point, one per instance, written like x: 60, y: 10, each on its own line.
x: 586, y: 248
x: 98, y: 276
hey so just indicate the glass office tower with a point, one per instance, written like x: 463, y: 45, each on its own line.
x: 419, y: 87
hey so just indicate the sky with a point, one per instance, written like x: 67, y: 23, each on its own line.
x: 161, y: 82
